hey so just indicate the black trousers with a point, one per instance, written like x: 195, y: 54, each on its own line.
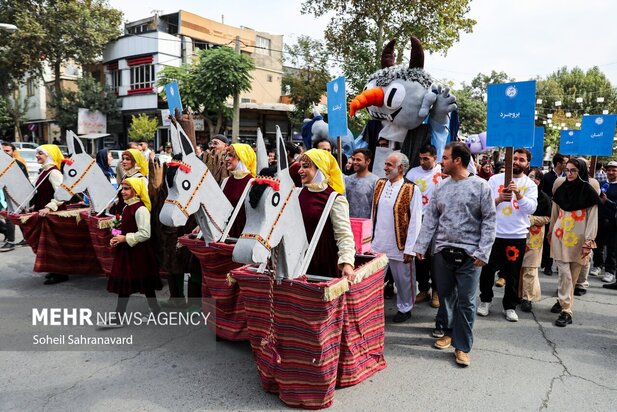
x: 607, y: 237
x: 507, y: 257
x: 123, y: 301
x: 424, y: 274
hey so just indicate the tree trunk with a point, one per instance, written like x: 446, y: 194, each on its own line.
x: 379, y: 42
x: 57, y: 88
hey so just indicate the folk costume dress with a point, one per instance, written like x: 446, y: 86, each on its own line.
x: 140, y: 170
x: 234, y: 185
x: 574, y: 224
x: 135, y: 268
x: 49, y: 179
x: 327, y: 259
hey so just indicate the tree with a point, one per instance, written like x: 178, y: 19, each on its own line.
x: 91, y: 95
x: 142, y: 128
x: 307, y: 79
x: 216, y: 75
x: 472, y: 111
x: 5, y: 119
x: 479, y: 84
x: 360, y: 28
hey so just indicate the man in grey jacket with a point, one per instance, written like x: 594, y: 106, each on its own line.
x: 460, y: 221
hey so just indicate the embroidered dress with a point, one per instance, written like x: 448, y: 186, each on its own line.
x: 51, y: 178
x: 233, y: 189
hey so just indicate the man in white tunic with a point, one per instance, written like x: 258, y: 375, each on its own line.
x: 397, y: 217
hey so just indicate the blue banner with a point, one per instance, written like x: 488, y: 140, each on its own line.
x: 173, y: 97
x: 511, y: 114
x: 537, y: 150
x: 337, y: 108
x: 597, y: 135
x: 569, y: 142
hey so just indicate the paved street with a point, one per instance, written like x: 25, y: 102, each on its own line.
x: 529, y: 365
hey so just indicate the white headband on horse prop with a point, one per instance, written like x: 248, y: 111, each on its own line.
x: 193, y: 190
x: 82, y: 174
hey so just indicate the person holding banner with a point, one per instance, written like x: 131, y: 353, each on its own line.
x: 514, y: 202
x: 573, y: 229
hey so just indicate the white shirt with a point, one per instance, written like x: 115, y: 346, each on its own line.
x: 426, y: 181
x: 513, y: 217
x: 384, y: 239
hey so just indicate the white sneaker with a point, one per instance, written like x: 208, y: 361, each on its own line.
x: 511, y: 315
x: 608, y: 278
x: 483, y: 308
x: 594, y: 271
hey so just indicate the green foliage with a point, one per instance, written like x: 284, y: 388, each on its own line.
x: 5, y: 118
x: 472, y: 111
x: 91, y: 95
x: 142, y: 128
x: 566, y: 85
x: 205, y: 86
x: 307, y: 80
x: 359, y: 29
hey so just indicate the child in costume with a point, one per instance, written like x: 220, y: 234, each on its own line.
x: 135, y: 268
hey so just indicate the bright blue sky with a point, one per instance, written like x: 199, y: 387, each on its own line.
x: 524, y: 38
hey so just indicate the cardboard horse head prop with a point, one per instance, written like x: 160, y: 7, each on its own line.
x: 82, y: 174
x: 192, y: 189
x: 14, y: 182
x: 274, y: 227
x: 403, y: 97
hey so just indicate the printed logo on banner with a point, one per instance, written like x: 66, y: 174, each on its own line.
x: 173, y: 97
x: 511, y: 114
x: 569, y: 142
x: 337, y: 108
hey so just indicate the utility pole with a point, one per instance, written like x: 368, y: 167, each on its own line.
x: 235, y: 123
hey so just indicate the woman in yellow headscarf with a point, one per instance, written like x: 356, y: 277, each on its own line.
x: 50, y: 158
x: 135, y: 268
x: 322, y: 176
x: 134, y: 164
x: 241, y: 163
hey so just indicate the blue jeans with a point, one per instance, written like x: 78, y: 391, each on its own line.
x: 457, y: 285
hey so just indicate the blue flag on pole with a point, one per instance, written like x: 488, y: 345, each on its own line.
x: 173, y: 97
x: 537, y: 150
x: 337, y: 108
x: 597, y: 135
x: 511, y: 114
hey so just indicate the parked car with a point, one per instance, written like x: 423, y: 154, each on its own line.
x: 25, y: 145
x: 31, y: 163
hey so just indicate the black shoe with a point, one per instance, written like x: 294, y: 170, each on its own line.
x: 556, y: 308
x: 548, y: 271
x: 388, y: 291
x: 563, y: 320
x: 7, y: 247
x: 579, y: 291
x: 610, y: 286
x: 49, y: 276
x: 526, y: 305
x: 401, y: 317
x: 438, y: 332
x: 55, y: 278
x: 22, y: 243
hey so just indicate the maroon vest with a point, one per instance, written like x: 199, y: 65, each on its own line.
x: 45, y: 191
x: 233, y: 191
x: 325, y: 259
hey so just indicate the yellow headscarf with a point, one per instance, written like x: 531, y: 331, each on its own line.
x: 247, y: 156
x: 327, y: 164
x: 140, y: 161
x: 139, y: 186
x: 54, y: 152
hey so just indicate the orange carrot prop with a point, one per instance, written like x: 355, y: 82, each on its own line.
x: 370, y: 97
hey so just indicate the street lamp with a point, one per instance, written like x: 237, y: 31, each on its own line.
x: 8, y: 27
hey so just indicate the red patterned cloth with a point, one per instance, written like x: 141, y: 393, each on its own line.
x: 100, y: 235
x: 228, y: 307
x: 61, y: 242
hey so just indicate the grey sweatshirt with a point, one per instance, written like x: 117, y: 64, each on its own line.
x: 460, y: 214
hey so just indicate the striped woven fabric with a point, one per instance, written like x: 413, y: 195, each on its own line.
x: 297, y: 350
x: 100, y: 235
x: 61, y: 242
x: 229, y: 316
x: 362, y: 341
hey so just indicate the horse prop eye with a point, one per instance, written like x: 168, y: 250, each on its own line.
x: 186, y: 185
x: 276, y: 198
x: 72, y: 173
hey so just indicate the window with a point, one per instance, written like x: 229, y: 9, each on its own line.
x: 142, y: 76
x: 262, y: 45
x: 116, y: 80
x: 270, y: 78
x: 245, y: 100
x: 30, y: 87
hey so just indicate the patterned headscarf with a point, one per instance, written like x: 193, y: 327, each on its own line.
x: 141, y: 189
x: 326, y: 163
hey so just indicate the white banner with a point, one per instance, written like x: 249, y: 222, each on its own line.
x: 91, y: 122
